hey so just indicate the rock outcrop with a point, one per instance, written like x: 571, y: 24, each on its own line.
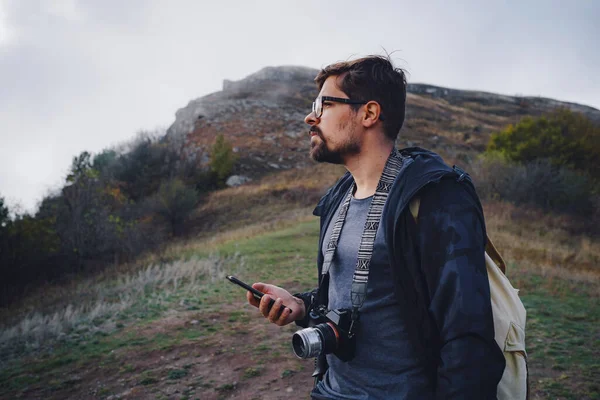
x: 270, y: 88
x: 262, y: 117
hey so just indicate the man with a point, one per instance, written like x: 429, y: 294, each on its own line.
x: 425, y: 328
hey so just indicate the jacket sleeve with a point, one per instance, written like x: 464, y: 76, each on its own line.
x: 451, y: 241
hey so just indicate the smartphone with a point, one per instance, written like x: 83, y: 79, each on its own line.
x: 256, y: 293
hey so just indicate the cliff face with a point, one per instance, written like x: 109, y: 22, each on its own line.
x: 271, y: 88
x: 263, y: 114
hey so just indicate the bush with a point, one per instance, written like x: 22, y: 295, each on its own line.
x: 539, y: 182
x: 174, y: 201
x: 565, y: 138
x: 143, y: 168
x: 222, y: 159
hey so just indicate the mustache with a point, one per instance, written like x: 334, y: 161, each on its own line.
x: 314, y: 129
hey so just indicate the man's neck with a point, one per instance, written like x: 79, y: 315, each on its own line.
x: 366, y: 168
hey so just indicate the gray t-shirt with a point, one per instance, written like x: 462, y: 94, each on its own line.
x: 385, y: 366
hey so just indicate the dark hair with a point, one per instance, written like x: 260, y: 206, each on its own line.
x: 372, y: 78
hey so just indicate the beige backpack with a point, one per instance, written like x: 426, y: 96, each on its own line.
x: 509, y: 322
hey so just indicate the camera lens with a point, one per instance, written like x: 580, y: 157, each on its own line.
x: 311, y: 342
x: 307, y: 343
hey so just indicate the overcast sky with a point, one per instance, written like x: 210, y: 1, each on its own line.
x: 81, y: 75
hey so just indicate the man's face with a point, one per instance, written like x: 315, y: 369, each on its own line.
x: 333, y: 136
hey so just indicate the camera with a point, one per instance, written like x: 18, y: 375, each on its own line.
x: 328, y: 332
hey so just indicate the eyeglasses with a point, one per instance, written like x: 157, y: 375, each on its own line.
x: 317, y: 105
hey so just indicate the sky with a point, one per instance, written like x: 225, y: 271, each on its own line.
x: 86, y: 75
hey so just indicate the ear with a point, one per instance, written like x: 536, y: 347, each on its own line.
x: 372, y: 110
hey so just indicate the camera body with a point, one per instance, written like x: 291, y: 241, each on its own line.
x: 329, y: 331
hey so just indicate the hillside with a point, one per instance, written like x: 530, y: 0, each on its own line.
x: 262, y: 116
x: 173, y: 328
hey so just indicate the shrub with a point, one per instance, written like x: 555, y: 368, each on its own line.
x: 538, y: 182
x: 222, y: 159
x: 565, y: 138
x: 143, y: 168
x: 174, y: 201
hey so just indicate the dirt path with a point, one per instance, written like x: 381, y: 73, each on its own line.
x: 241, y: 360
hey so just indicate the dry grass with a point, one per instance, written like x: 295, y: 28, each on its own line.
x: 95, y: 306
x: 545, y: 244
x: 288, y: 186
x: 277, y: 197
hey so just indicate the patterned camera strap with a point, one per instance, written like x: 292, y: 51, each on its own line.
x: 365, y: 251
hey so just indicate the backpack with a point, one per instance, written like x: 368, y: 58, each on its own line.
x: 509, y: 322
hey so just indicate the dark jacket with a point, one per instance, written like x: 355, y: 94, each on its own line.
x: 439, y: 273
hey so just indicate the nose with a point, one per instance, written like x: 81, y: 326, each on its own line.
x: 310, y: 119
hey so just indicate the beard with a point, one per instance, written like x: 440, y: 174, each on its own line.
x: 320, y: 151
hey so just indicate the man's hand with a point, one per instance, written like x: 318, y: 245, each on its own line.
x: 286, y: 309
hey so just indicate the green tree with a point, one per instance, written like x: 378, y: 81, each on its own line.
x: 81, y: 167
x: 222, y: 159
x: 566, y: 138
x: 83, y: 215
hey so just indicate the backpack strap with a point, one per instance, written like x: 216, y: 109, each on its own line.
x: 491, y: 250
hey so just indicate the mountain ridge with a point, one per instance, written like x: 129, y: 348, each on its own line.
x: 262, y: 116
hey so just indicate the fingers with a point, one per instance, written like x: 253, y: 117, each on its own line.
x: 277, y: 313
x: 284, y: 319
x: 265, y: 305
x: 271, y: 305
x: 251, y: 299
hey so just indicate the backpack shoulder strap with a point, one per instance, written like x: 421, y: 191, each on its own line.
x: 491, y: 251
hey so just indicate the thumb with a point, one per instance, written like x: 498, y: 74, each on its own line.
x: 260, y: 286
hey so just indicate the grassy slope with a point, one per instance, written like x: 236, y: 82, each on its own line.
x: 191, y: 336
x: 171, y: 327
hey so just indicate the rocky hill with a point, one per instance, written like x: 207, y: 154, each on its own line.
x: 262, y: 116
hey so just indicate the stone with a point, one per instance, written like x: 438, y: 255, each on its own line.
x: 237, y: 180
